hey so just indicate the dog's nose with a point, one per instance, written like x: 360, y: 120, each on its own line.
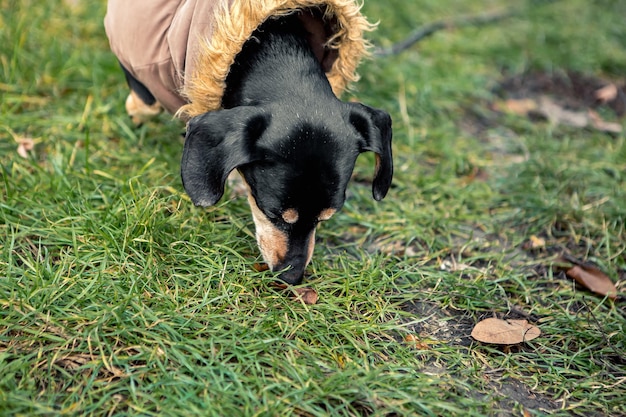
x: 292, y: 271
x: 293, y: 275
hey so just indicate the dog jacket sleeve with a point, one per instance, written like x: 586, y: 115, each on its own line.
x: 181, y: 50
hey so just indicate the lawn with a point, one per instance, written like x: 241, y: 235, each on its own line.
x: 118, y: 297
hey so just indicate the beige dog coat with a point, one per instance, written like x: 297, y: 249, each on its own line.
x: 182, y: 50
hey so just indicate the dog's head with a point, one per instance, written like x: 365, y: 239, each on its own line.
x: 297, y: 168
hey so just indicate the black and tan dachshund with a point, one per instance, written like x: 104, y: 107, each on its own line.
x: 292, y: 140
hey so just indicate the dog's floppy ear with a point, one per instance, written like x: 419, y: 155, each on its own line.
x: 374, y: 126
x: 215, y: 144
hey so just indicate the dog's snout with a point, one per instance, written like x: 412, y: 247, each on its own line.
x: 293, y: 274
x: 293, y: 265
x: 286, y: 252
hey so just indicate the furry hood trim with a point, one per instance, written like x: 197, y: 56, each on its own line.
x: 234, y: 23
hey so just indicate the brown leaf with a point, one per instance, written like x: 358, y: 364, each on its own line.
x: 278, y: 285
x: 593, y: 279
x: 417, y: 343
x: 307, y: 295
x: 504, y: 332
x: 607, y: 93
x: 260, y: 267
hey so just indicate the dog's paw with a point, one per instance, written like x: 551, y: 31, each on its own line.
x: 139, y: 111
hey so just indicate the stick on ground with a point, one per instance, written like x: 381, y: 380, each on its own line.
x: 430, y: 28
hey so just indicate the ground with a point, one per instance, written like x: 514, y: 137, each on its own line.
x: 120, y: 298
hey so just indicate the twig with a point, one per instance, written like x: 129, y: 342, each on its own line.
x: 430, y: 28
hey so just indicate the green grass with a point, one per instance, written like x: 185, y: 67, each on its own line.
x: 118, y: 297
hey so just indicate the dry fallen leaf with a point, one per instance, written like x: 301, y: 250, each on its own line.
x: 607, y: 93
x: 278, y: 285
x: 587, y: 275
x: 504, y: 332
x: 260, y: 267
x: 417, y: 343
x: 593, y: 279
x: 25, y: 146
x: 307, y: 295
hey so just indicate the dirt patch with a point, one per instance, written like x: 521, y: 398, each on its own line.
x: 439, y: 324
x: 509, y: 392
x: 573, y: 90
x: 565, y: 97
x: 454, y: 328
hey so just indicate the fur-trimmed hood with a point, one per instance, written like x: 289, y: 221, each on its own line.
x: 182, y: 50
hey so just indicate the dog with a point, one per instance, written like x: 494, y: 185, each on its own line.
x: 281, y: 125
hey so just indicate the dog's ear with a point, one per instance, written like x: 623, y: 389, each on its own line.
x: 215, y: 144
x: 374, y: 126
